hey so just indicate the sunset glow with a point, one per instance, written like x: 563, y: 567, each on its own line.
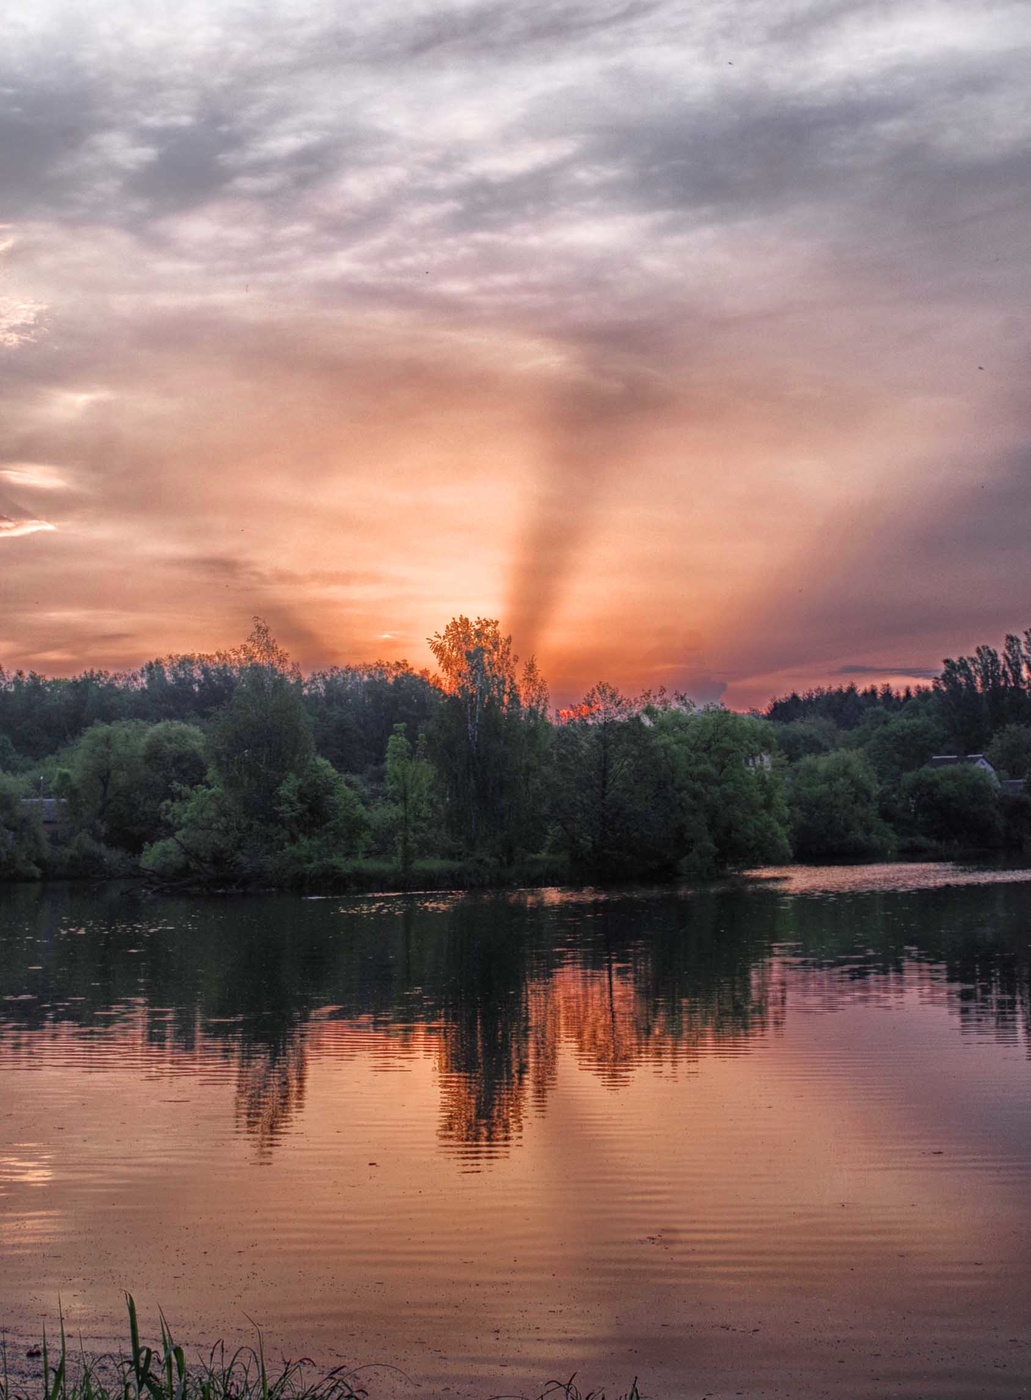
x: 689, y: 342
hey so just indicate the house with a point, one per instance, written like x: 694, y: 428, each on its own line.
x: 51, y: 811
x: 1013, y: 787
x: 970, y: 760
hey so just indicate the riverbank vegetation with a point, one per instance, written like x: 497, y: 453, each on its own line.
x: 163, y: 1372
x: 233, y: 769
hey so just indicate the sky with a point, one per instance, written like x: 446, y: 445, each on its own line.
x: 689, y: 340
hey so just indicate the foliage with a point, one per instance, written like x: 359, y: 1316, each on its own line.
x: 232, y: 768
x: 801, y: 737
x: 957, y: 806
x: 487, y: 742
x: 409, y: 781
x: 843, y: 705
x: 22, y: 843
x: 833, y: 802
x: 258, y: 739
x: 1010, y: 751
x: 981, y: 693
x: 163, y: 1372
x: 900, y: 744
x: 607, y: 789
x: 9, y: 760
x: 355, y: 710
x: 727, y: 795
x: 118, y: 777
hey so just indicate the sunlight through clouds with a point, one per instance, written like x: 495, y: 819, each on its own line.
x: 11, y: 529
x: 638, y: 312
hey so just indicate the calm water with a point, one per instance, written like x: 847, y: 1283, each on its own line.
x: 772, y: 1139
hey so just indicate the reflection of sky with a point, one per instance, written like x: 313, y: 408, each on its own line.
x: 689, y: 340
x: 731, y: 1211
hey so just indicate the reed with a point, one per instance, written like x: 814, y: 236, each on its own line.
x: 163, y: 1373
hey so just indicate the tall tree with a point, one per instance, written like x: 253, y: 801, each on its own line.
x: 409, y: 776
x: 479, y: 740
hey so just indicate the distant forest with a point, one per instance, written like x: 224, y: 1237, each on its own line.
x: 232, y: 769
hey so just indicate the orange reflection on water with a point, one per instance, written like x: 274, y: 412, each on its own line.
x: 720, y: 1136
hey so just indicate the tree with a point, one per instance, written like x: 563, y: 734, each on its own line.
x: 103, y: 781
x: 271, y: 811
x: 956, y: 806
x: 801, y: 737
x: 833, y: 805
x: 258, y: 739
x: 902, y: 744
x: 118, y: 777
x: 607, y: 788
x: 322, y: 824
x: 409, y: 778
x: 485, y: 742
x: 727, y: 795
x: 22, y: 843
x: 1010, y: 751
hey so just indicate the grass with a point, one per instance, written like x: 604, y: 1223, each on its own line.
x: 162, y: 1373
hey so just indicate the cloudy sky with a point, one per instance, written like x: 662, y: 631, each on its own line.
x: 689, y: 339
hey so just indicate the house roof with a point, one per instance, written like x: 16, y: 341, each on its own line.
x: 947, y: 760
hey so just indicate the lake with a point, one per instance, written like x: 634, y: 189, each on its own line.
x: 766, y: 1139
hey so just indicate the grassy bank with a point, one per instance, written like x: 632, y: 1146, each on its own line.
x: 162, y: 1372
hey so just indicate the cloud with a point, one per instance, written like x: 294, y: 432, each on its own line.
x: 11, y: 529
x: 34, y: 476
x: 625, y: 320
x: 19, y: 321
x: 922, y: 673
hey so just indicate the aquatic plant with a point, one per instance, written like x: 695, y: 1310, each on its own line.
x: 163, y: 1373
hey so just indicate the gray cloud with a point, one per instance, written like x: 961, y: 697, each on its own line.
x: 922, y: 673
x: 760, y: 222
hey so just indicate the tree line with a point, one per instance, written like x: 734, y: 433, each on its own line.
x: 233, y: 769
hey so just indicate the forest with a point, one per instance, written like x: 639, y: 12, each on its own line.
x: 233, y: 770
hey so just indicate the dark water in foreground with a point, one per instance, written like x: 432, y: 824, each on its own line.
x: 773, y: 1139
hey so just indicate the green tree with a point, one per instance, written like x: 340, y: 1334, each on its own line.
x: 22, y: 843
x: 118, y: 777
x: 607, y: 788
x: 322, y: 823
x: 486, y: 742
x: 1010, y: 751
x: 955, y: 806
x: 272, y: 810
x: 409, y: 777
x: 103, y: 780
x: 802, y: 737
x: 258, y: 739
x: 901, y: 744
x: 833, y: 801
x: 727, y: 793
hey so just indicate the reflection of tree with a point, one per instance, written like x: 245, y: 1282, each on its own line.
x: 270, y: 1085
x: 483, y: 1060
x: 496, y: 988
x: 620, y: 1000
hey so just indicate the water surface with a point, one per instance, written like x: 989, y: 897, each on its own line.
x: 768, y: 1139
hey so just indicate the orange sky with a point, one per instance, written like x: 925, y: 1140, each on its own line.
x: 689, y: 342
